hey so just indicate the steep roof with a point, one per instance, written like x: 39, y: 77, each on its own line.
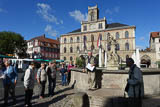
x: 75, y: 31
x: 112, y: 25
x: 155, y: 34
x: 42, y: 38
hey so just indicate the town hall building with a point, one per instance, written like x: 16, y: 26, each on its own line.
x: 84, y: 39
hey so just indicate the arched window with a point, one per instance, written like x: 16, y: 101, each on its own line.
x: 100, y: 35
x: 65, y: 49
x: 77, y: 39
x: 117, y: 47
x: 71, y: 39
x: 64, y: 58
x: 84, y: 38
x: 71, y: 58
x: 92, y: 38
x: 127, y: 46
x: 92, y: 16
x: 84, y: 41
x: 65, y: 40
x: 77, y: 48
x: 117, y: 35
x: 126, y: 34
x: 71, y: 49
x: 108, y: 35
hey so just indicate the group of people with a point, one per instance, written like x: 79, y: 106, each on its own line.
x: 31, y: 74
x: 134, y: 87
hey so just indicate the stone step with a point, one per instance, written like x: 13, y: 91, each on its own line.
x: 99, y: 97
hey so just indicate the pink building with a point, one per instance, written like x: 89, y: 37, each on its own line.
x: 42, y: 47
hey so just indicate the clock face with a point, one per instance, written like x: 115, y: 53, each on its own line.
x: 92, y: 26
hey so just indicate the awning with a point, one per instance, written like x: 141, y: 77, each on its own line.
x: 5, y: 56
x: 59, y: 60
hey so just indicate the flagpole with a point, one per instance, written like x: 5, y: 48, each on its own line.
x: 105, y: 58
x: 100, y: 51
x: 100, y: 57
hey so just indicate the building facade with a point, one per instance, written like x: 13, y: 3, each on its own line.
x: 155, y: 43
x: 79, y: 41
x: 42, y: 47
x: 151, y: 55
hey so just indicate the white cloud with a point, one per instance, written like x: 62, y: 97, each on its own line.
x: 112, y: 11
x: 140, y: 47
x: 78, y: 16
x: 116, y: 9
x: 51, y: 31
x: 61, y: 21
x: 142, y: 38
x: 109, y: 20
x: 44, y: 11
x: 2, y: 10
x: 108, y: 11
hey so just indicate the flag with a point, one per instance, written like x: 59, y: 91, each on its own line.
x: 84, y: 41
x: 98, y: 41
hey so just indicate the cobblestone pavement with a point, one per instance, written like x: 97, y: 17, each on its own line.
x: 62, y: 97
x: 64, y: 94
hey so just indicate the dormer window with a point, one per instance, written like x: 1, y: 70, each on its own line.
x: 100, y: 26
x: 65, y: 40
x: 84, y: 28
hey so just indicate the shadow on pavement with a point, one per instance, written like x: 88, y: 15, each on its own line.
x: 20, y: 103
x: 124, y: 102
x: 54, y: 100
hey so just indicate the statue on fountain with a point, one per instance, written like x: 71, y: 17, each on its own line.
x: 112, y: 62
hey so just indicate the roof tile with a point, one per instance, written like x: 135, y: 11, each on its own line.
x: 155, y: 34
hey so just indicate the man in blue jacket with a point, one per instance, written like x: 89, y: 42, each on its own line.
x: 9, y: 81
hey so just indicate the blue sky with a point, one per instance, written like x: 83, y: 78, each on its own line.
x: 33, y: 18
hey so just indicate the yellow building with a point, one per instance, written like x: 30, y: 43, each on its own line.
x: 79, y: 41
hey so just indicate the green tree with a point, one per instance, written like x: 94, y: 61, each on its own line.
x: 80, y: 62
x: 12, y: 43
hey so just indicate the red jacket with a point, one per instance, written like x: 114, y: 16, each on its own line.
x: 69, y: 67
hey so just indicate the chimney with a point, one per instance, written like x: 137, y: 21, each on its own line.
x: 43, y: 36
x: 58, y: 39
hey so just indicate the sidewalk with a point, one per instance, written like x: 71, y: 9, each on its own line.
x: 64, y: 94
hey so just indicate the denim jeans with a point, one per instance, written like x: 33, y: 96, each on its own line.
x: 28, y: 96
x: 64, y: 79
x: 42, y: 88
x: 9, y: 88
x: 51, y: 85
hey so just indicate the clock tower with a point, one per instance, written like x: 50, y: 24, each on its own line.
x: 93, y: 13
x: 93, y: 23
